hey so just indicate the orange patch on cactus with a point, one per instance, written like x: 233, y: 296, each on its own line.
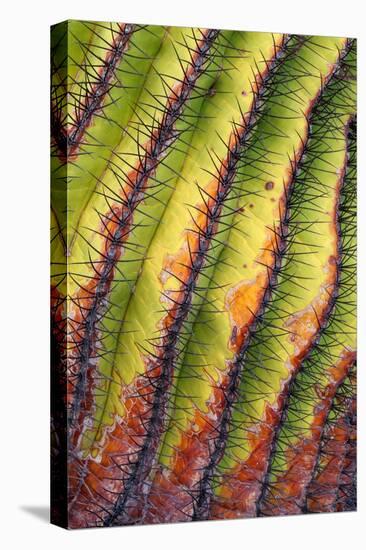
x: 304, y: 325
x: 243, y: 301
x: 190, y: 455
x: 240, y: 488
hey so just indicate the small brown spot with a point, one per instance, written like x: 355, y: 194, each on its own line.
x: 242, y: 209
x: 273, y: 199
x: 269, y: 185
x: 244, y: 93
x: 245, y: 266
x: 251, y: 205
x: 332, y: 260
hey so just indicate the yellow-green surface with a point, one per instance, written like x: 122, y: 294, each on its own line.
x: 244, y: 261
x: 141, y: 323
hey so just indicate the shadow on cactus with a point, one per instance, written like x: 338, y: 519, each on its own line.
x: 203, y: 306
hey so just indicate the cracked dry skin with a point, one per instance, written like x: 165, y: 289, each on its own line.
x: 199, y: 265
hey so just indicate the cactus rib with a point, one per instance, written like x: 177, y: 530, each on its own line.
x: 288, y: 490
x: 198, y: 445
x: 332, y: 485
x: 289, y: 319
x: 161, y: 138
x: 161, y: 371
x: 69, y: 139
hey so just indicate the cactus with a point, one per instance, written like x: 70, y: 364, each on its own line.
x: 203, y: 315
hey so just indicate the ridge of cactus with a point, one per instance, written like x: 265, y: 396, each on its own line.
x: 203, y: 423
x: 73, y: 75
x: 149, y: 232
x: 68, y: 131
x: 274, y: 287
x: 322, y: 485
x: 161, y: 373
x: 346, y: 497
x: 329, y: 361
x: 315, y: 385
x: 147, y: 276
x: 332, y: 486
x: 300, y: 305
x: 119, y: 223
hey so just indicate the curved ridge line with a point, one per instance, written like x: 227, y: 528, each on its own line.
x: 203, y: 498
x: 68, y: 140
x: 166, y: 355
x: 351, y: 373
x: 120, y: 330
x: 347, y: 416
x: 153, y: 150
x: 286, y: 392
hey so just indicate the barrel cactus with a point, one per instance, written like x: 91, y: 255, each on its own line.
x: 203, y: 306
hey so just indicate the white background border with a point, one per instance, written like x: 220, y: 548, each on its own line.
x: 24, y: 204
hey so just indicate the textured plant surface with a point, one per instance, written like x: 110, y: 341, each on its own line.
x: 204, y: 270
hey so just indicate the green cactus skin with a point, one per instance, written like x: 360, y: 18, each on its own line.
x: 333, y: 482
x: 321, y: 373
x: 318, y: 184
x: 203, y: 266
